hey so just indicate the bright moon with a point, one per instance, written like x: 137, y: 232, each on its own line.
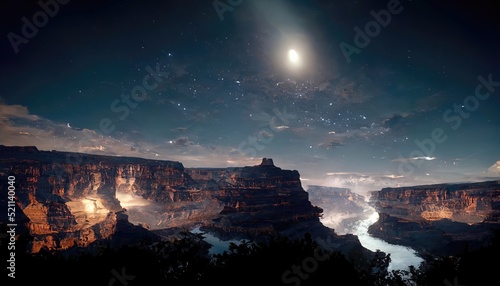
x: 293, y: 56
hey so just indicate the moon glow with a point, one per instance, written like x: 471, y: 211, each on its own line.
x: 293, y: 56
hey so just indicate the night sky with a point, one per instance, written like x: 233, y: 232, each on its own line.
x: 360, y: 94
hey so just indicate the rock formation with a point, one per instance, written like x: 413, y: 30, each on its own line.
x: 72, y: 199
x: 442, y: 219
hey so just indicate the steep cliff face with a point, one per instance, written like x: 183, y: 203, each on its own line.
x: 81, y: 237
x: 438, y: 219
x: 261, y: 198
x: 342, y: 207
x: 71, y: 199
x: 467, y: 203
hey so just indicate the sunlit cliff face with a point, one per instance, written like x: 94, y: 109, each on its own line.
x: 90, y: 206
x: 125, y: 194
x: 87, y: 211
x: 129, y: 200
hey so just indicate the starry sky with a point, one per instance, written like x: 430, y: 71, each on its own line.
x: 360, y: 94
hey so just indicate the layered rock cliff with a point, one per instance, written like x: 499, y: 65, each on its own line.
x: 72, y: 199
x: 443, y: 219
x: 260, y: 197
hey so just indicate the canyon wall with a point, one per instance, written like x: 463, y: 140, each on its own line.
x: 442, y: 219
x: 72, y: 199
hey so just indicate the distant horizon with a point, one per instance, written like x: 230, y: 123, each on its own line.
x: 364, y: 192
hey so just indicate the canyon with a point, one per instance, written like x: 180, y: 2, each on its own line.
x: 349, y: 212
x: 69, y: 200
x: 440, y: 219
x: 342, y: 208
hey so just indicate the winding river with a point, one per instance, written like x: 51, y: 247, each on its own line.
x: 401, y: 256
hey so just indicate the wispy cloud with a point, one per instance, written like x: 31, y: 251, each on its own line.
x: 363, y: 183
x: 21, y: 128
x: 15, y: 111
x: 421, y: 158
x: 494, y: 169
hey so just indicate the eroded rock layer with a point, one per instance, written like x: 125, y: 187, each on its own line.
x: 443, y: 219
x: 72, y: 199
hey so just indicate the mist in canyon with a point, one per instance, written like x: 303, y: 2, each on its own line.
x: 348, y: 211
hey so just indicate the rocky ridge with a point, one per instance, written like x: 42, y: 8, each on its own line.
x: 73, y: 200
x: 442, y: 219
